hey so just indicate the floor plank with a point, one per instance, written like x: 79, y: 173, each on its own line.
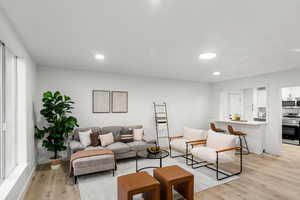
x: 264, y: 177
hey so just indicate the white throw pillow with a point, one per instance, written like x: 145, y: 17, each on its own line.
x: 194, y: 134
x: 106, y: 139
x: 138, y: 134
x: 85, y: 138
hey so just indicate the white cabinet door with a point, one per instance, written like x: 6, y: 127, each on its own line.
x: 235, y: 103
x: 248, y: 104
x: 261, y: 98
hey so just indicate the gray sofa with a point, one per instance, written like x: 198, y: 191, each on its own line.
x: 122, y: 150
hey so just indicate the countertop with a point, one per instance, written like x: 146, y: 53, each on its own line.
x: 251, y: 123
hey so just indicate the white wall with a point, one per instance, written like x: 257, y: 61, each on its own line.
x: 188, y: 102
x: 14, y: 186
x: 274, y: 83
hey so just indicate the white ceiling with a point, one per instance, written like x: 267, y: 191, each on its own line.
x: 161, y: 38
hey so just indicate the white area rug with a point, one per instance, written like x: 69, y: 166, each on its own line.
x: 103, y: 186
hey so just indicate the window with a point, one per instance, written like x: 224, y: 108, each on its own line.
x: 8, y: 108
x: 1, y: 115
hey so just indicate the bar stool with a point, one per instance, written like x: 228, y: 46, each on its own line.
x: 213, y: 127
x: 241, y: 135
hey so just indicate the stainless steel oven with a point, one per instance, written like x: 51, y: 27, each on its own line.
x: 288, y: 103
x: 290, y: 127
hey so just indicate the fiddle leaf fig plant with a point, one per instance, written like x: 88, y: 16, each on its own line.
x: 57, y: 111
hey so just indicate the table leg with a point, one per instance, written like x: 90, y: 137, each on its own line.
x: 136, y: 162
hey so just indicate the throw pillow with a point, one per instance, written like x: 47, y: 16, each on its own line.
x: 106, y: 139
x: 94, y: 139
x: 138, y: 134
x: 126, y: 138
x: 84, y: 137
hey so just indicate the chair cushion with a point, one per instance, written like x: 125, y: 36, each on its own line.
x: 210, y: 155
x: 179, y: 145
x: 139, y: 145
x: 119, y: 147
x: 220, y: 141
x: 194, y: 134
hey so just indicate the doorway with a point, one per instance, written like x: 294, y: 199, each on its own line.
x: 290, y: 98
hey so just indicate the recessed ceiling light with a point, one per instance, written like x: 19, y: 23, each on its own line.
x: 99, y: 56
x: 207, y: 56
x: 216, y: 73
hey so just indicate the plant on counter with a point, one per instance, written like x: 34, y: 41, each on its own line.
x: 56, y: 111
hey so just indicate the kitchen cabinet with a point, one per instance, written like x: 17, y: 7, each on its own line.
x: 290, y: 93
x: 261, y: 97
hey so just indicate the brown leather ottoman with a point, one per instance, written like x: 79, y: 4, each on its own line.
x: 182, y: 180
x: 132, y: 184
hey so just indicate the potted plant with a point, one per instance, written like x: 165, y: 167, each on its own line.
x: 56, y: 111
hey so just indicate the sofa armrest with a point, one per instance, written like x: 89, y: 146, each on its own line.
x: 75, y: 146
x: 149, y: 139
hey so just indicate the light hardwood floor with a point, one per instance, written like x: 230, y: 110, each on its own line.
x: 264, y: 177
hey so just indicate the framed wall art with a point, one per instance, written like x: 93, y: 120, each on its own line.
x: 101, y: 101
x: 119, y: 101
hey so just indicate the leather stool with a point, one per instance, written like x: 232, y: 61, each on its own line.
x: 213, y: 127
x: 241, y: 135
x: 136, y: 183
x: 182, y: 180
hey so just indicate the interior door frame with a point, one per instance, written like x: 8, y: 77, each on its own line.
x: 2, y: 115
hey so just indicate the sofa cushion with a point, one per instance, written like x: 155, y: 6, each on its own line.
x: 115, y: 130
x: 75, y: 135
x: 106, y: 139
x: 118, y: 147
x: 149, y: 139
x: 126, y: 135
x: 133, y: 127
x: 94, y: 139
x: 85, y: 137
x: 94, y: 148
x: 138, y: 134
x: 76, y: 146
x: 139, y: 145
x: 126, y: 138
x: 126, y: 131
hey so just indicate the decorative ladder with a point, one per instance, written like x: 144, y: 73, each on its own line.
x: 161, y: 121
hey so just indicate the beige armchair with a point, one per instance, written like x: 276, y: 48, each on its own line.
x: 182, y: 144
x: 219, y: 148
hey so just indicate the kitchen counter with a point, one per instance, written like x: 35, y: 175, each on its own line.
x: 255, y: 130
x: 251, y: 123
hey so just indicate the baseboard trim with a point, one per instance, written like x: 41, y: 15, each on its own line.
x: 27, y: 184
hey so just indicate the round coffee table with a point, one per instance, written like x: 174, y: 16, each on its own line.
x: 144, y: 154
